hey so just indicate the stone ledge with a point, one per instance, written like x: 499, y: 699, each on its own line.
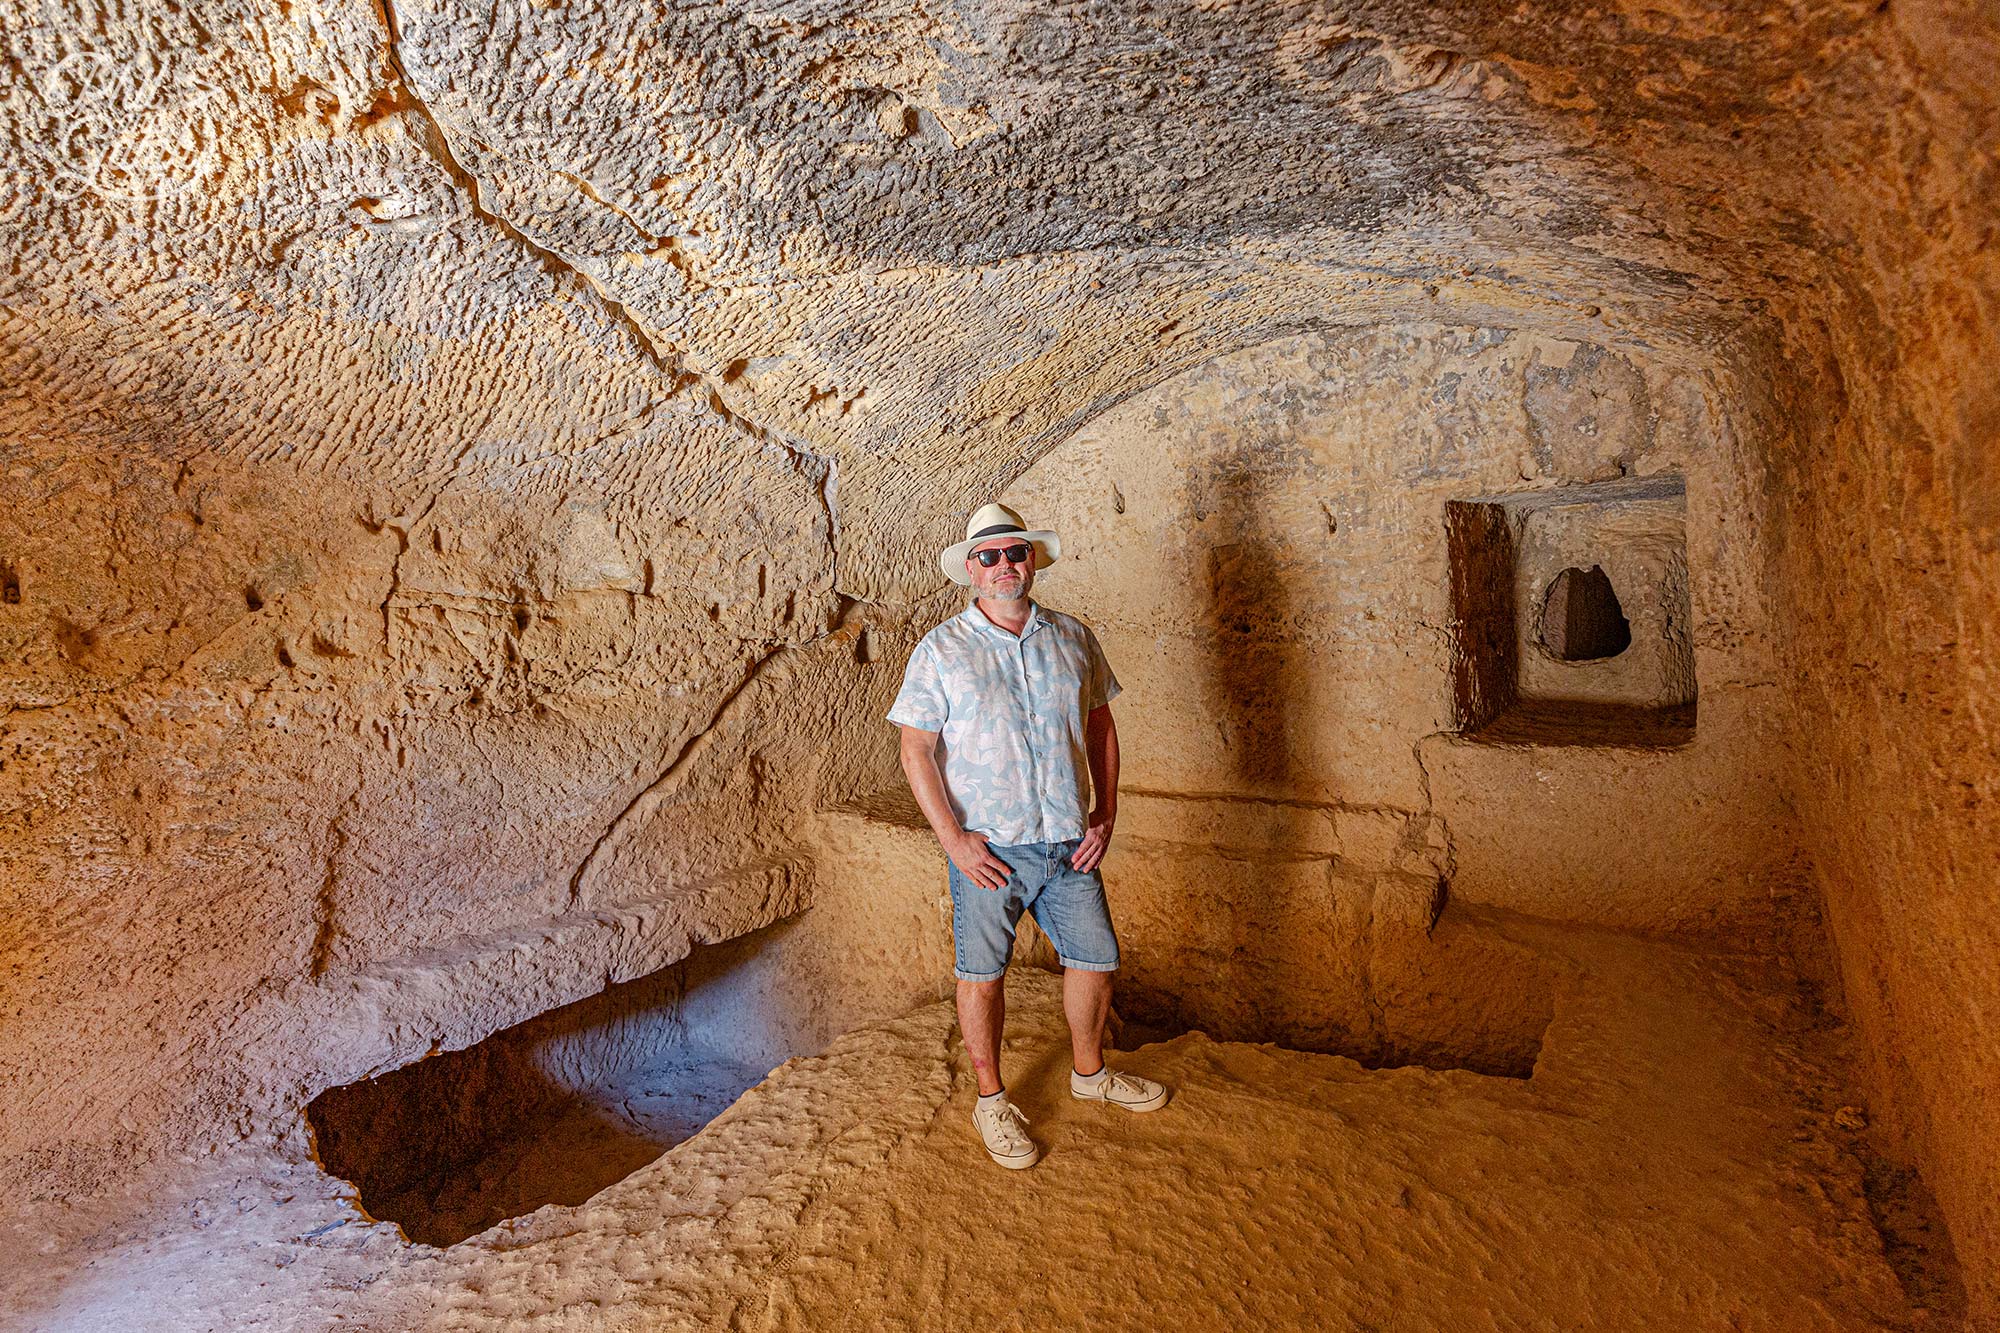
x: 392, y: 1013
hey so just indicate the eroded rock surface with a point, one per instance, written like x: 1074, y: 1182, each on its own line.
x: 471, y: 473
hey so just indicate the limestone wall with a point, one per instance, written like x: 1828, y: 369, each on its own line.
x: 1886, y: 544
x: 1261, y: 545
x: 471, y: 469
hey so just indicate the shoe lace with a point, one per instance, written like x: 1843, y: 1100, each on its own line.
x: 1010, y: 1123
x: 1127, y: 1084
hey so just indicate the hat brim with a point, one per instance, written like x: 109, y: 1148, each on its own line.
x: 1048, y: 550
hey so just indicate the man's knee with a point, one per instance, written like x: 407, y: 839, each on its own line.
x: 981, y: 989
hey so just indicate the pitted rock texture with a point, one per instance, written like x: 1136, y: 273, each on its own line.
x: 472, y: 472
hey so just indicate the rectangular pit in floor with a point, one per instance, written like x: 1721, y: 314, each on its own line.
x: 549, y: 1111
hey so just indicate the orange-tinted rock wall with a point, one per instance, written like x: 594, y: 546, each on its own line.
x: 1884, y: 509
x: 1261, y: 545
x: 469, y: 471
x: 1887, y: 520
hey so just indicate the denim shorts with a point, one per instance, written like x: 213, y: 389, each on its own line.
x: 1067, y: 903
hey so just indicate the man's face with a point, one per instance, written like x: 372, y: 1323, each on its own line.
x: 1006, y: 580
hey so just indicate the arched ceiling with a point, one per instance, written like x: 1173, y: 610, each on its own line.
x: 910, y: 244
x: 915, y: 239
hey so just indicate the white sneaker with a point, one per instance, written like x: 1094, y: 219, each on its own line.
x: 1126, y: 1090
x: 1005, y: 1130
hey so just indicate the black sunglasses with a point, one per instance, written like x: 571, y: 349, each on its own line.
x: 1015, y: 555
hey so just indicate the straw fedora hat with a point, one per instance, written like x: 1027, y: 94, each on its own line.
x: 990, y: 521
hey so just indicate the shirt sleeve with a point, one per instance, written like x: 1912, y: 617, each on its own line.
x: 921, y: 703
x: 1101, y: 686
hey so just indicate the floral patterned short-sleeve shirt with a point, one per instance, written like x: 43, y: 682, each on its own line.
x: 1010, y: 713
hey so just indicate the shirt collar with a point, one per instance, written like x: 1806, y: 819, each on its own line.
x: 1034, y: 622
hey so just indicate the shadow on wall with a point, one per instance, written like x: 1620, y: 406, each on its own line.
x: 1249, y: 676
x: 1250, y: 691
x: 1252, y: 905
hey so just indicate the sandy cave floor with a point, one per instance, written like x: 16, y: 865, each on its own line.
x: 1680, y: 1160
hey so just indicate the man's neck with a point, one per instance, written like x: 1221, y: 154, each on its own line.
x: 1010, y: 614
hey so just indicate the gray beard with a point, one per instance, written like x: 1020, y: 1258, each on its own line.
x: 1014, y: 594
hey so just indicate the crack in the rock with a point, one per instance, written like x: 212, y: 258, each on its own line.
x: 829, y: 490
x: 656, y: 790
x: 1430, y: 810
x: 1371, y: 1002
x: 325, y: 902
x: 666, y: 247
x: 674, y: 367
x: 404, y: 531
x: 468, y: 184
x: 389, y: 597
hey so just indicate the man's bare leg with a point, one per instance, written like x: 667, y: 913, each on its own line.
x: 982, y: 1012
x: 1087, y: 1006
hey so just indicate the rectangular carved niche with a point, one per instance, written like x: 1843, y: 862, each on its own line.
x: 1571, y: 618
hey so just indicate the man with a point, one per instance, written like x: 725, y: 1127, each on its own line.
x: 1018, y: 699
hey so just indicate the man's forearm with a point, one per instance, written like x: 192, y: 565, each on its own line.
x: 1101, y: 750
x: 920, y: 767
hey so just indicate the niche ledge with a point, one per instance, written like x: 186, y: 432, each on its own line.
x: 1571, y: 622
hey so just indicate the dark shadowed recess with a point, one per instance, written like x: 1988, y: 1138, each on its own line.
x: 1581, y: 618
x: 1502, y: 1042
x: 1515, y: 585
x: 549, y: 1111
x: 1472, y: 1003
